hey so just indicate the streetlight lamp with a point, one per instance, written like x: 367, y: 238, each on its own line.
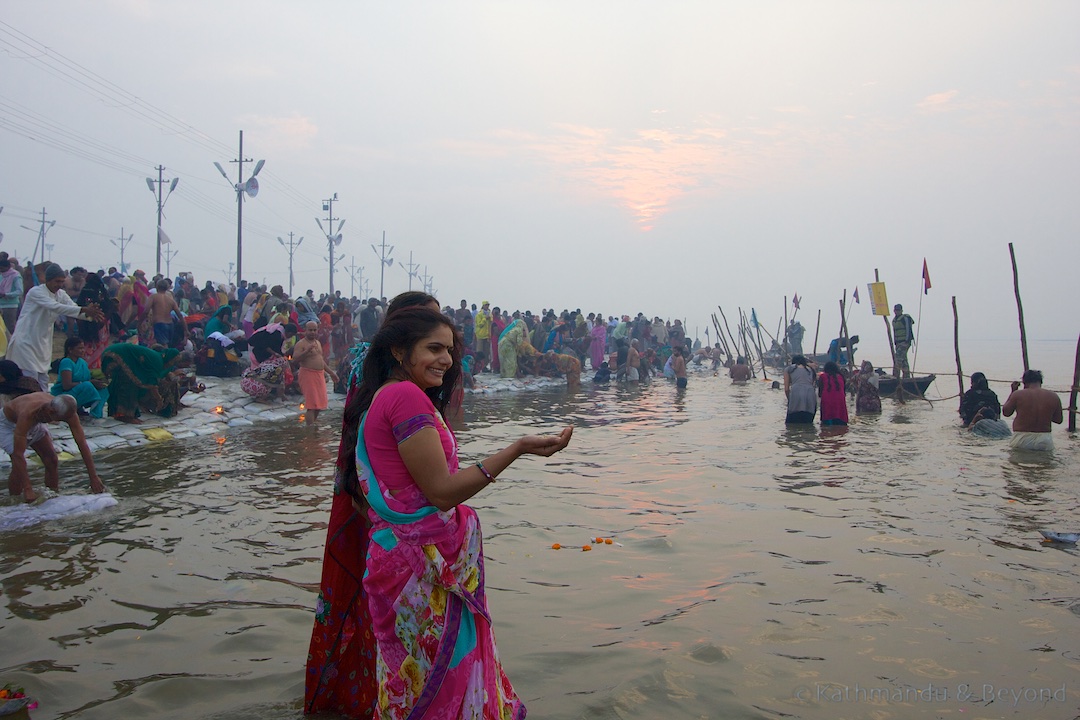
x: 251, y: 187
x: 161, y: 236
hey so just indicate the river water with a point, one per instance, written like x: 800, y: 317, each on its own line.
x: 889, y: 570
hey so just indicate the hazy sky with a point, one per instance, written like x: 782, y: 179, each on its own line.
x: 662, y: 157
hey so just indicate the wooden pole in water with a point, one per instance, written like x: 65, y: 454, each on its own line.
x: 785, y: 347
x: 956, y: 347
x: 1072, y: 395
x: 1019, y: 307
x: 899, y: 394
x: 761, y: 342
x: 844, y: 332
x: 720, y: 334
x: 817, y: 328
x: 734, y: 343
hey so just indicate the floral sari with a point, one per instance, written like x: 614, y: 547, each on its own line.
x: 436, y: 654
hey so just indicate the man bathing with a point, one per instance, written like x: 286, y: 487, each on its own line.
x: 22, y: 423
x: 1035, y: 409
x: 308, y: 354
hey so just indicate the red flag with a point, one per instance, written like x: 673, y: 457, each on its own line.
x: 855, y: 295
x: 795, y: 301
x: 925, y: 278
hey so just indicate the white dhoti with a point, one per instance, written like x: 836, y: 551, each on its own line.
x: 1032, y: 441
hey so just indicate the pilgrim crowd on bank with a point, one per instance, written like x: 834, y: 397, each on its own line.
x: 136, y: 345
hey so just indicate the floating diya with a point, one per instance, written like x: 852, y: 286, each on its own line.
x: 219, y: 409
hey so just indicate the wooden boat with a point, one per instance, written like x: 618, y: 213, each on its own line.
x: 912, y: 386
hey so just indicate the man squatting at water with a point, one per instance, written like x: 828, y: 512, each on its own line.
x: 1035, y: 409
x: 22, y: 423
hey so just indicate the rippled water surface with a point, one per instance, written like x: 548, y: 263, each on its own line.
x: 889, y: 570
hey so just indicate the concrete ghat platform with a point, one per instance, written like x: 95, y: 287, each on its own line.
x: 222, y: 406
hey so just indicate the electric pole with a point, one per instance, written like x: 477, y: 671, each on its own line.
x: 122, y: 243
x: 412, y: 268
x: 169, y: 255
x: 332, y: 240
x: 291, y: 247
x: 42, y: 232
x: 384, y: 260
x: 228, y: 273
x: 355, y: 277
x: 150, y: 182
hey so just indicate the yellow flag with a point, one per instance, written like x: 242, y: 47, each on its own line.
x: 879, y: 301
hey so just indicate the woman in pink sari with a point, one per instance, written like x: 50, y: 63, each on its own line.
x: 429, y: 649
x: 599, y: 342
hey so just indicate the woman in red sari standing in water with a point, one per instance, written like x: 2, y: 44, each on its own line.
x: 414, y: 636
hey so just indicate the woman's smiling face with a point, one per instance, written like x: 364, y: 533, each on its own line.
x: 430, y: 358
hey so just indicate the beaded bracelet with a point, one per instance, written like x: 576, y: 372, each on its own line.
x: 489, y: 476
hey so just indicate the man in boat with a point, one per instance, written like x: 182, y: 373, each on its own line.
x: 903, y: 335
x: 1035, y: 409
x: 795, y: 332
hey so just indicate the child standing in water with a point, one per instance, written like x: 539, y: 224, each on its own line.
x: 308, y: 354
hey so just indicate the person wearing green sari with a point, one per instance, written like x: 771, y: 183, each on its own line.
x: 511, y: 338
x: 142, y: 378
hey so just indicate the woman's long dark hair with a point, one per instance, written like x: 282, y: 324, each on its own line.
x: 402, y: 328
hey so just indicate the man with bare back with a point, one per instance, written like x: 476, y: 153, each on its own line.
x: 162, y: 306
x: 1036, y: 408
x: 22, y: 424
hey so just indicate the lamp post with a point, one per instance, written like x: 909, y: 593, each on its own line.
x: 291, y: 247
x: 150, y: 182
x: 251, y: 187
x: 332, y: 240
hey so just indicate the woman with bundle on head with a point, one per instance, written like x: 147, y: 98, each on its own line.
x: 416, y: 637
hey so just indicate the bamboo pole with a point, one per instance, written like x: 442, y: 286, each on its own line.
x: 728, y: 328
x: 1019, y: 307
x: 956, y: 348
x: 844, y: 332
x: 720, y: 334
x: 1072, y: 395
x: 785, y: 347
x: 817, y: 328
x: 764, y: 374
